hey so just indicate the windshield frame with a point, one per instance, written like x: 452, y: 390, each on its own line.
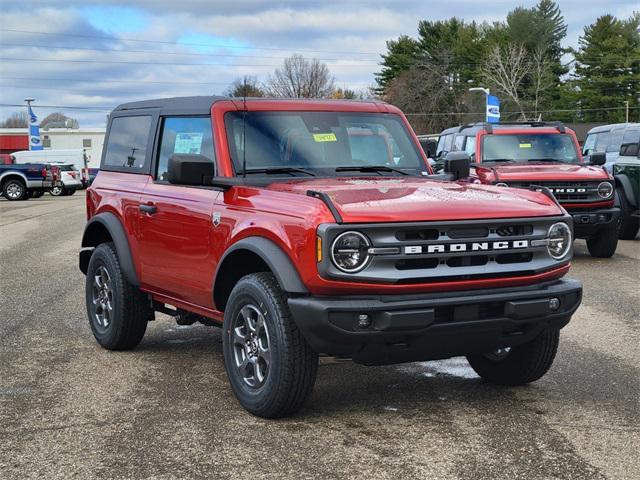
x: 328, y: 171
x: 576, y: 148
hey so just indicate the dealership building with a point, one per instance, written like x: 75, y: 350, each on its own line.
x: 89, y: 139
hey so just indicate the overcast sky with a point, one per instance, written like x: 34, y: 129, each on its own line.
x: 96, y: 54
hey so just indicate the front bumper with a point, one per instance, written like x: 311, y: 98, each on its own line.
x: 407, y: 328
x: 587, y: 223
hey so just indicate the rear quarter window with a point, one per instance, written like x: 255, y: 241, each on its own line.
x: 126, y: 149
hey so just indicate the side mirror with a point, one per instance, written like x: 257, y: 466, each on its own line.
x: 458, y: 164
x: 598, y: 158
x: 629, y: 149
x: 190, y: 169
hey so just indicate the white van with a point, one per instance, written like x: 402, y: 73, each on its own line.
x: 75, y: 156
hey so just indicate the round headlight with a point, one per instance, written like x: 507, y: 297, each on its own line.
x: 605, y: 189
x: 501, y: 184
x: 349, y: 251
x: 559, y: 240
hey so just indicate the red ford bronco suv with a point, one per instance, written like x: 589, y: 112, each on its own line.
x: 546, y: 154
x: 316, y: 227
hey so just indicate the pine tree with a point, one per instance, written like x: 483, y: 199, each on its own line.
x: 607, y: 71
x: 401, y: 55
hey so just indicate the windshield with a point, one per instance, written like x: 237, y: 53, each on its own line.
x: 529, y: 148
x: 318, y: 143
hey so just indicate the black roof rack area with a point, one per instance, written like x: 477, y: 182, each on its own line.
x: 489, y: 126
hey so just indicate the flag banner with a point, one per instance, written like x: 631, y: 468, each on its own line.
x: 493, y: 109
x: 34, y: 131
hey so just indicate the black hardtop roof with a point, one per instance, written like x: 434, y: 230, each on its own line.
x: 473, y: 128
x: 612, y: 126
x: 202, y: 104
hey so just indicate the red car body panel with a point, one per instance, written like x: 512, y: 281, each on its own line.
x: 284, y: 214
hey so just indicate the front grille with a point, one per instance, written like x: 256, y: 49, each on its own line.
x: 567, y: 192
x: 448, y: 251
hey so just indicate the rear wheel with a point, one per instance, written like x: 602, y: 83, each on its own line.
x: 518, y: 365
x: 604, y: 244
x: 56, y: 191
x: 118, y: 311
x: 270, y: 366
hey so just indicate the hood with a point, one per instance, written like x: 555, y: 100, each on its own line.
x: 414, y: 199
x: 542, y: 172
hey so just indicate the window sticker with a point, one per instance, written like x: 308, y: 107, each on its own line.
x: 525, y: 145
x: 325, y: 137
x: 188, y: 142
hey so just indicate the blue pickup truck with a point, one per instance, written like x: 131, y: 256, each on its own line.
x: 28, y: 180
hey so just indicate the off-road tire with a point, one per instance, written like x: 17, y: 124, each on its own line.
x: 604, y: 243
x: 523, y: 364
x: 131, y: 308
x: 629, y: 225
x: 14, y: 190
x: 293, y: 364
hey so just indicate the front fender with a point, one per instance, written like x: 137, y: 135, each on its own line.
x: 624, y: 184
x: 277, y: 261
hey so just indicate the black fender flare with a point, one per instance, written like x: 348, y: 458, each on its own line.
x: 623, y: 183
x: 277, y: 261
x: 117, y: 233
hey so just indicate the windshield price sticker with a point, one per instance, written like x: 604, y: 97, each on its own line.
x: 325, y: 137
x: 525, y: 145
x: 188, y: 142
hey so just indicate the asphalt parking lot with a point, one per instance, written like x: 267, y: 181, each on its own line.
x: 69, y: 409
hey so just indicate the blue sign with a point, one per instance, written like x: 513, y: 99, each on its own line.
x: 493, y: 109
x: 34, y: 131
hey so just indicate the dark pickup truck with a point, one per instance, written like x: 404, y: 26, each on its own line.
x: 24, y: 181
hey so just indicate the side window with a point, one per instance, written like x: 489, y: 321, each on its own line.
x: 615, y: 140
x: 127, y: 143
x: 444, y: 145
x: 632, y: 135
x: 470, y: 146
x: 589, y: 143
x: 458, y: 143
x: 184, y: 135
x: 601, y: 142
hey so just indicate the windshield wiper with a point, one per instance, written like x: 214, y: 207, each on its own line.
x: 277, y: 170
x: 545, y: 160
x: 498, y: 160
x: 370, y: 168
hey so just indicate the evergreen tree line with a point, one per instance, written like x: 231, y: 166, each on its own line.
x: 522, y: 61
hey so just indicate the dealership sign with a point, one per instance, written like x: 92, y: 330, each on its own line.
x: 34, y: 130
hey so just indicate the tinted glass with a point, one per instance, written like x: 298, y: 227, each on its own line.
x: 529, y: 147
x: 602, y: 140
x: 184, y: 135
x: 615, y: 140
x: 458, y: 143
x: 470, y: 146
x: 589, y: 143
x: 444, y: 145
x: 127, y: 143
x: 320, y: 141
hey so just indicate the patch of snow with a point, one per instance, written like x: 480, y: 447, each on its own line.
x: 452, y: 367
x: 390, y: 409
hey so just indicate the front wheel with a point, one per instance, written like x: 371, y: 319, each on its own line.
x: 518, y: 365
x: 270, y: 366
x: 629, y: 225
x: 118, y: 311
x: 604, y: 243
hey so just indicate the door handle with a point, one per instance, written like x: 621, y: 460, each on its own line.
x: 148, y: 208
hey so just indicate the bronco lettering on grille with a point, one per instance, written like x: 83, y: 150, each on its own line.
x: 465, y: 247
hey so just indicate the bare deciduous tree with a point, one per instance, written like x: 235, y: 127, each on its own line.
x: 507, y: 68
x: 246, y: 86
x: 301, y: 78
x: 16, y: 120
x: 540, y: 72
